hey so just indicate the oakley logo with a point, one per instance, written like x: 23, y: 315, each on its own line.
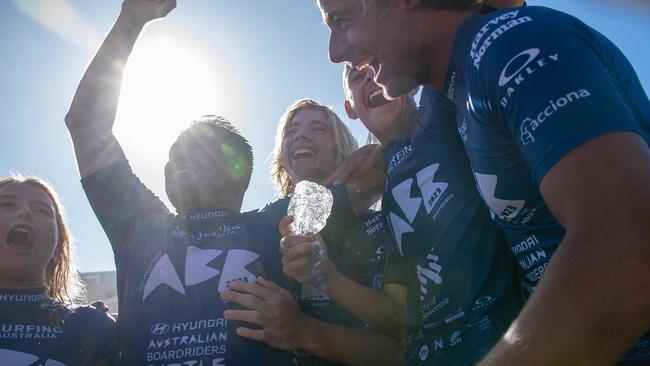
x: 530, y: 56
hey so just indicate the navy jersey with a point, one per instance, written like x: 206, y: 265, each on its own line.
x: 35, y: 330
x: 532, y: 84
x: 357, y: 246
x: 171, y: 270
x: 462, y: 293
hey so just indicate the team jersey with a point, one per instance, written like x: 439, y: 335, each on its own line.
x: 532, y: 84
x: 359, y: 253
x: 461, y: 288
x: 172, y: 268
x: 36, y: 330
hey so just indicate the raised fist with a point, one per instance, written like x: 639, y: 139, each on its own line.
x: 143, y: 11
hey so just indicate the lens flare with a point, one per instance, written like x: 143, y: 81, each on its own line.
x: 61, y: 18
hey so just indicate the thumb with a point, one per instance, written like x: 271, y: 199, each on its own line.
x: 285, y: 226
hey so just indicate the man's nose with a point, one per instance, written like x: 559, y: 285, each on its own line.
x: 338, y: 48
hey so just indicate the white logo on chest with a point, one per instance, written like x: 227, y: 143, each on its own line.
x: 503, y: 209
x: 198, y: 271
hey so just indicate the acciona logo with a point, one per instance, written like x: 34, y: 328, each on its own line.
x: 530, y: 124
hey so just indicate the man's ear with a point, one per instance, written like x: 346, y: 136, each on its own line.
x: 350, y: 110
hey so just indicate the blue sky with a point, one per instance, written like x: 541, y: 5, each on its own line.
x: 257, y: 57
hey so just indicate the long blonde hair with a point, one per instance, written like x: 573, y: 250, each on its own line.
x: 345, y: 144
x: 62, y: 281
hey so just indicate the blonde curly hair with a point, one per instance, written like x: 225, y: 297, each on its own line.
x: 345, y: 142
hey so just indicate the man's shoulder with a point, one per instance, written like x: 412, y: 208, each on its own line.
x: 280, y: 204
x: 497, y: 35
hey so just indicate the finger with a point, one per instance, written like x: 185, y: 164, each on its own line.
x: 296, y: 240
x: 254, y: 334
x: 298, y: 267
x: 246, y: 300
x: 252, y: 289
x: 172, y: 6
x: 273, y: 286
x: 304, y: 249
x: 283, y: 246
x: 99, y: 305
x: 379, y: 158
x: 341, y: 174
x: 285, y: 225
x: 249, y: 316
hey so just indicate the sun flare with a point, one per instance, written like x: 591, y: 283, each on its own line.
x: 167, y: 84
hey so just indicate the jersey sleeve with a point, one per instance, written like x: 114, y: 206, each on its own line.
x: 397, y: 269
x: 117, y: 196
x: 96, y: 333
x: 342, y: 220
x: 553, y: 81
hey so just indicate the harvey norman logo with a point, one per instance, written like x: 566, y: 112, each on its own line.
x: 477, y: 52
x: 531, y: 124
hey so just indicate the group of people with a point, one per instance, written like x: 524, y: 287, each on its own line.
x: 513, y: 229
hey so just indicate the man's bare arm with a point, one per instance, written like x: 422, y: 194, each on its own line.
x: 92, y: 113
x: 388, y: 311
x: 284, y: 326
x: 364, y: 174
x: 593, y: 301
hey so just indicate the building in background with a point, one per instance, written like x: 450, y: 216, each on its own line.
x: 101, y: 286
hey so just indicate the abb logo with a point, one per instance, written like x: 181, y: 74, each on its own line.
x: 198, y: 271
x: 431, y: 192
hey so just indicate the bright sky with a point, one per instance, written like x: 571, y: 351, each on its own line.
x: 245, y: 60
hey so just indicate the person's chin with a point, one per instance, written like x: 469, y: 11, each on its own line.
x: 395, y: 88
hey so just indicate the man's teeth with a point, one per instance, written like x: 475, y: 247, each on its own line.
x: 376, y: 93
x: 303, y: 152
x: 364, y: 63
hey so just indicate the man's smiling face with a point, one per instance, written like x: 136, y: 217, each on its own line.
x: 373, y: 33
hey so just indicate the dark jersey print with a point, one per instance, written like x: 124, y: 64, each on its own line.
x: 532, y: 84
x: 35, y: 330
x: 461, y: 286
x: 171, y: 270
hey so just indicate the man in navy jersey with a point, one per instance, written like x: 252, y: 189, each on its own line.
x: 172, y: 268
x: 459, y: 275
x: 556, y: 126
